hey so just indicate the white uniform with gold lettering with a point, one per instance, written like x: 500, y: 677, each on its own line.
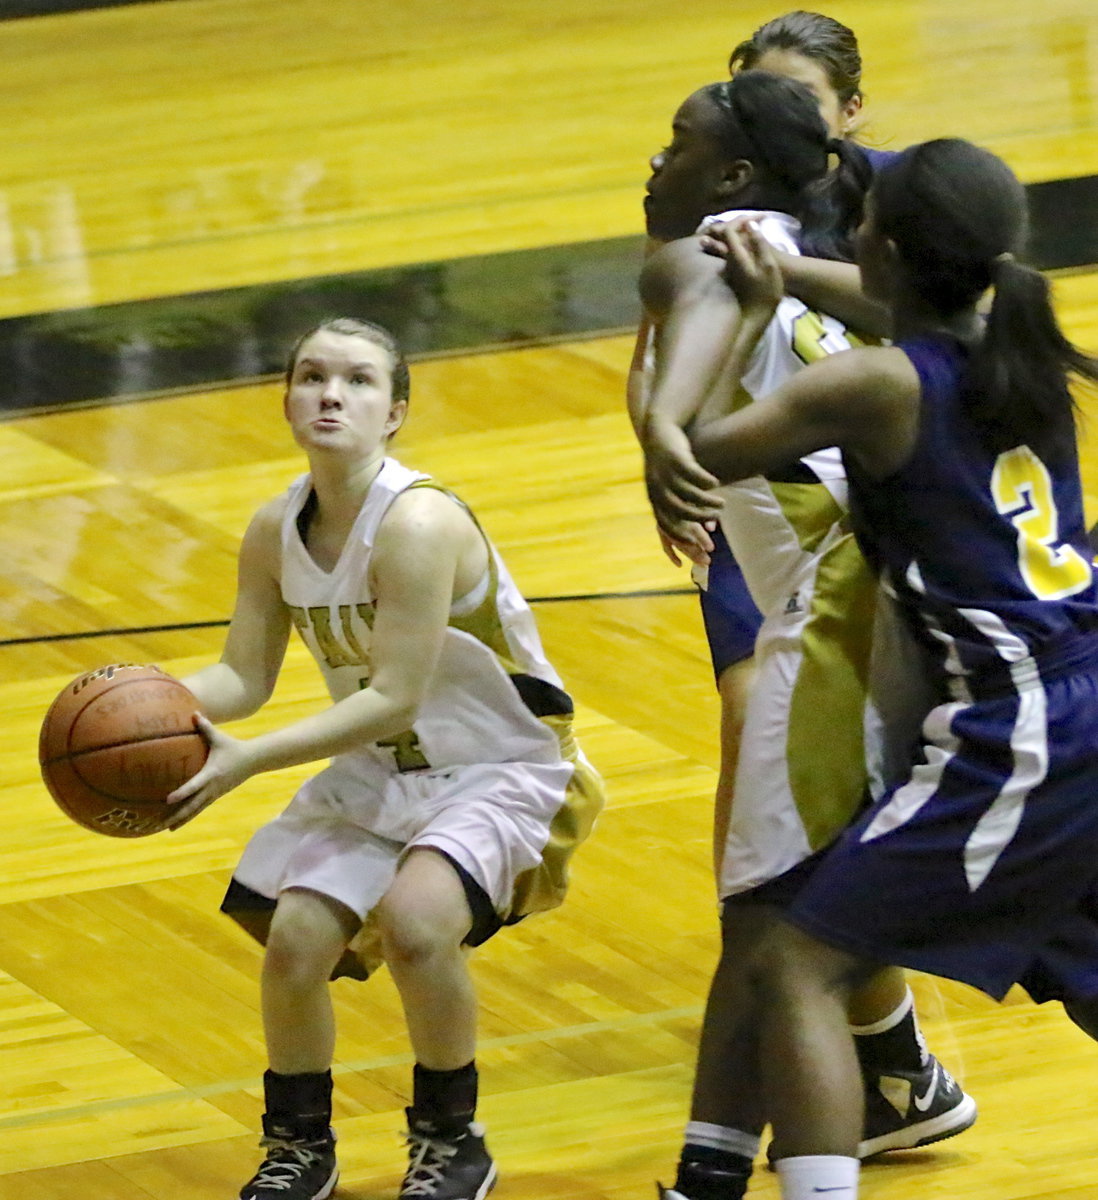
x: 812, y: 742
x: 488, y: 774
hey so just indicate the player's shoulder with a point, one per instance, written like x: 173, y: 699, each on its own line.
x: 676, y: 269
x: 682, y: 257
x: 425, y: 513
x: 877, y: 157
x: 263, y: 537
x: 268, y: 518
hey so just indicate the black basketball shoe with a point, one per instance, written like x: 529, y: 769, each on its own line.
x: 905, y: 1109
x: 293, y: 1169
x: 446, y: 1164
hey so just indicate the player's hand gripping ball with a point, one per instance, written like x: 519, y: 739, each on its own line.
x: 115, y: 743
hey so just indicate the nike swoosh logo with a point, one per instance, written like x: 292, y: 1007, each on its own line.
x: 844, y: 1188
x: 922, y: 1103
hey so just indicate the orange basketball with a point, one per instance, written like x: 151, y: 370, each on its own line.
x: 115, y: 743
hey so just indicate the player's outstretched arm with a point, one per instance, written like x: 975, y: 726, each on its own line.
x: 835, y: 288
x: 823, y: 284
x: 865, y: 401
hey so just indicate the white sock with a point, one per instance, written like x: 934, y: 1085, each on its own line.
x: 720, y: 1137
x: 804, y: 1178
x: 885, y: 1023
x: 894, y: 1018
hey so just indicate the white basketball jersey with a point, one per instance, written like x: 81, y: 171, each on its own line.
x: 768, y: 522
x: 492, y: 682
x: 812, y: 737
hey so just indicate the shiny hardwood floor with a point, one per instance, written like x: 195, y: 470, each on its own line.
x: 173, y: 147
x: 195, y: 144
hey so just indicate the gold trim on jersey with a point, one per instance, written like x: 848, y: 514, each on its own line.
x: 543, y: 887
x: 483, y: 622
x: 811, y: 510
x: 826, y: 742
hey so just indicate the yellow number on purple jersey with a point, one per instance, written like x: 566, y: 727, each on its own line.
x: 1022, y: 490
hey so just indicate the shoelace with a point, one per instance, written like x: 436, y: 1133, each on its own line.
x: 285, y: 1163
x: 429, y: 1158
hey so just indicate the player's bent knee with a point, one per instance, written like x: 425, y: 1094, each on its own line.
x: 425, y: 912
x: 307, y: 936
x: 788, y: 965
x: 415, y: 932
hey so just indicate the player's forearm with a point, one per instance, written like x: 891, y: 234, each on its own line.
x: 749, y: 331
x: 667, y: 458
x: 225, y: 695
x: 636, y: 399
x: 358, y: 720
x: 708, y: 349
x: 719, y: 451
x: 835, y: 288
x: 691, y: 351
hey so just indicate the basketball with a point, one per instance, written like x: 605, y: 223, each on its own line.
x: 115, y: 743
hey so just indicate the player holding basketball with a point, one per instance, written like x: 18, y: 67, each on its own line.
x: 455, y: 795
x: 982, y: 864
x: 757, y: 144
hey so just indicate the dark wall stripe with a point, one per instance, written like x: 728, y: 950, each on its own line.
x: 11, y: 9
x: 587, y: 288
x: 121, y: 350
x: 1064, y: 222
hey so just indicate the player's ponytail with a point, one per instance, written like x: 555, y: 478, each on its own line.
x: 835, y: 204
x: 957, y: 215
x: 1018, y: 373
x: 775, y: 123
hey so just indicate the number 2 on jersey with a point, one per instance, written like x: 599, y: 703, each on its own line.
x: 1022, y: 490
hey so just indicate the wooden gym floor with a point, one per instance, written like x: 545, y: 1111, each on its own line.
x: 180, y: 181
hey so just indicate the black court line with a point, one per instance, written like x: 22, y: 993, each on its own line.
x: 223, y: 622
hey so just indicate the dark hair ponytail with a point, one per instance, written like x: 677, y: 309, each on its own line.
x: 836, y: 203
x: 957, y: 214
x: 774, y: 122
x: 1018, y: 374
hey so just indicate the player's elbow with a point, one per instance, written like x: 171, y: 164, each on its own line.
x: 716, y: 453
x: 403, y: 713
x: 242, y: 696
x: 255, y: 696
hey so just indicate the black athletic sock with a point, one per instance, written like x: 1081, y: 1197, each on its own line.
x: 299, y: 1107
x: 705, y: 1173
x: 447, y: 1099
x: 894, y: 1043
